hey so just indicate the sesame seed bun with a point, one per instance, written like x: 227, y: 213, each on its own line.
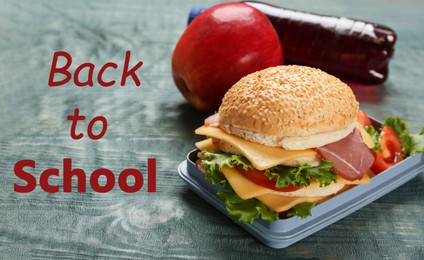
x: 294, y: 107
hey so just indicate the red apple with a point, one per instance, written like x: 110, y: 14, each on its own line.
x: 220, y: 46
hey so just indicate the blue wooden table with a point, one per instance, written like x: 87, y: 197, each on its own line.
x: 154, y: 121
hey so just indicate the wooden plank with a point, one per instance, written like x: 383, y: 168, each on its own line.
x: 155, y: 121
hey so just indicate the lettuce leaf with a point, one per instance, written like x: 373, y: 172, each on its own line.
x: 251, y: 209
x: 303, y: 210
x: 412, y: 143
x: 218, y: 160
x: 401, y: 129
x: 298, y: 176
x: 246, y: 210
x: 224, y: 159
x: 375, y: 136
x: 417, y: 143
x: 239, y: 209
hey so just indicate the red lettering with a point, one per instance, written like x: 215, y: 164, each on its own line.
x: 90, y: 73
x: 138, y: 180
x: 126, y: 73
x: 100, y: 75
x: 44, y: 180
x: 91, y: 124
x: 68, y: 173
x: 63, y: 70
x: 151, y: 175
x: 23, y: 175
x: 110, y: 180
x: 75, y: 118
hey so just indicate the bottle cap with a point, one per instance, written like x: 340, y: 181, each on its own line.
x: 195, y: 11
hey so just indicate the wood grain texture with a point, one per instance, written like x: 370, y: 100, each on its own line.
x: 155, y: 121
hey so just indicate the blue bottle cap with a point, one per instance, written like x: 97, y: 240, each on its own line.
x: 195, y: 11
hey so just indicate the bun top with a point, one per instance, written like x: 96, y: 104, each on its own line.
x: 288, y: 101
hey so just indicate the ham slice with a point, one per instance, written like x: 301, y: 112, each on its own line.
x: 212, y: 120
x: 351, y: 157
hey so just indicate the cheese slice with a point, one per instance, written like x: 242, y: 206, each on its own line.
x: 281, y: 203
x: 206, y: 144
x: 365, y: 136
x: 262, y: 157
x: 245, y: 188
x: 365, y: 180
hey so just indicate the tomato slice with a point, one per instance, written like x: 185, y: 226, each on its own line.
x: 391, y: 146
x: 391, y: 151
x: 363, y: 118
x: 380, y: 164
x: 261, y: 179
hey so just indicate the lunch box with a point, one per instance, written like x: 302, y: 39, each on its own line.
x: 284, y: 232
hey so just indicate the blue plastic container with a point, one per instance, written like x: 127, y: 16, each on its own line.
x: 284, y: 232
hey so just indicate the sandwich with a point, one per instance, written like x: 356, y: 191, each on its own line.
x: 283, y: 140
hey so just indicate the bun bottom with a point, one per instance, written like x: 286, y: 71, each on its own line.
x: 293, y: 142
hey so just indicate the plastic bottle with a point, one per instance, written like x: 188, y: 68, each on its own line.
x: 350, y: 49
